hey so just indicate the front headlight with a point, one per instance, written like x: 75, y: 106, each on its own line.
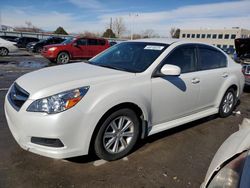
x: 229, y: 175
x: 52, y: 49
x: 59, y: 102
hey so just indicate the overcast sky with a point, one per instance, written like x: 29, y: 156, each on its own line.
x: 94, y: 15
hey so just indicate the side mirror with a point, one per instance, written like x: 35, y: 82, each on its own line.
x: 75, y: 44
x: 170, y: 70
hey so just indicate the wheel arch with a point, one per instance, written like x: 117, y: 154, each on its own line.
x: 230, y: 83
x: 130, y: 105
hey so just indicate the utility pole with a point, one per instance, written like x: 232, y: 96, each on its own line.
x: 132, y: 17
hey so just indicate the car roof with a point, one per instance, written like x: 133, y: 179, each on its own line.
x: 158, y: 40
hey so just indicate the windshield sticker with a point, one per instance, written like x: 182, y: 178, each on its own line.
x: 150, y: 47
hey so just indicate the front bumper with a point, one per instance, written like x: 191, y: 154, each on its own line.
x: 49, y: 55
x: 72, y: 127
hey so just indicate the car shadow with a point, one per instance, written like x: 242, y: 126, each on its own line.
x: 176, y: 81
x: 92, y: 157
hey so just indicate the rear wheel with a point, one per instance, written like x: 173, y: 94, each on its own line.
x: 228, y: 103
x: 62, y: 58
x: 4, y: 51
x: 117, y: 135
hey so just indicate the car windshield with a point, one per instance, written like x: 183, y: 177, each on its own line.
x: 130, y: 56
x: 69, y: 40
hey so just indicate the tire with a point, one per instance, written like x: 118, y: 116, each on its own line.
x: 62, y: 58
x: 116, y: 136
x: 39, y: 50
x: 4, y: 51
x: 227, y: 103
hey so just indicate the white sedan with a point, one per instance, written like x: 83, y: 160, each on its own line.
x: 6, y: 47
x: 132, y: 90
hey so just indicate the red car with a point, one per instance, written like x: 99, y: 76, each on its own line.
x: 75, y: 48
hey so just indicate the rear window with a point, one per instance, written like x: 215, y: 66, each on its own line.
x: 210, y: 58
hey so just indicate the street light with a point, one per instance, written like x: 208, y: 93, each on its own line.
x: 131, y: 15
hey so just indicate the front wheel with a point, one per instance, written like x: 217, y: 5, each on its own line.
x: 62, y: 58
x: 4, y: 51
x: 228, y: 103
x: 117, y: 135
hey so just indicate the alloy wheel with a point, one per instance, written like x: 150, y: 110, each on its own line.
x: 118, y: 134
x: 228, y: 102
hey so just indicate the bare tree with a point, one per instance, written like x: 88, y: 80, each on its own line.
x: 119, y: 27
x: 172, y: 31
x: 175, y: 32
x: 149, y: 33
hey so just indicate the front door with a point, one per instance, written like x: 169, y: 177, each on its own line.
x: 176, y: 96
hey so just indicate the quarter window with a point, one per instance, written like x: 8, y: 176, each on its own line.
x: 183, y: 57
x: 211, y: 59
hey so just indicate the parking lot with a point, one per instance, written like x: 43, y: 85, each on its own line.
x: 175, y: 158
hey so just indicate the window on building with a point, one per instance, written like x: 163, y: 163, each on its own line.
x: 214, y: 36
x: 211, y: 59
x: 233, y: 36
x: 220, y: 36
x: 224, y: 47
x: 183, y: 35
x: 203, y: 36
x: 218, y: 45
x: 226, y: 36
x: 193, y: 35
x: 188, y: 35
x: 198, y: 36
x: 208, y: 36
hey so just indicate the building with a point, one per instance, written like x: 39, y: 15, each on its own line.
x: 222, y: 38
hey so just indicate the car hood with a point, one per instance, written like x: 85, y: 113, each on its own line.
x: 235, y: 144
x: 53, y: 80
x: 55, y: 45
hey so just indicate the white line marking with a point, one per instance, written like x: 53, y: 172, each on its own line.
x: 4, y: 89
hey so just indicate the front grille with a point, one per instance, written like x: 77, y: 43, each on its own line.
x: 17, y: 96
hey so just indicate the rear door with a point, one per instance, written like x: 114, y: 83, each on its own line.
x: 213, y: 72
x: 93, y: 47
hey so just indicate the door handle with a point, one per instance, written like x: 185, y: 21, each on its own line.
x: 195, y: 80
x: 225, y: 75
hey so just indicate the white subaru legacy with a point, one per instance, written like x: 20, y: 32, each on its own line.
x: 132, y: 90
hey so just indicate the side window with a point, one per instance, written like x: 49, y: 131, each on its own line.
x: 211, y: 59
x: 82, y: 42
x: 184, y: 57
x: 101, y: 42
x: 92, y: 42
